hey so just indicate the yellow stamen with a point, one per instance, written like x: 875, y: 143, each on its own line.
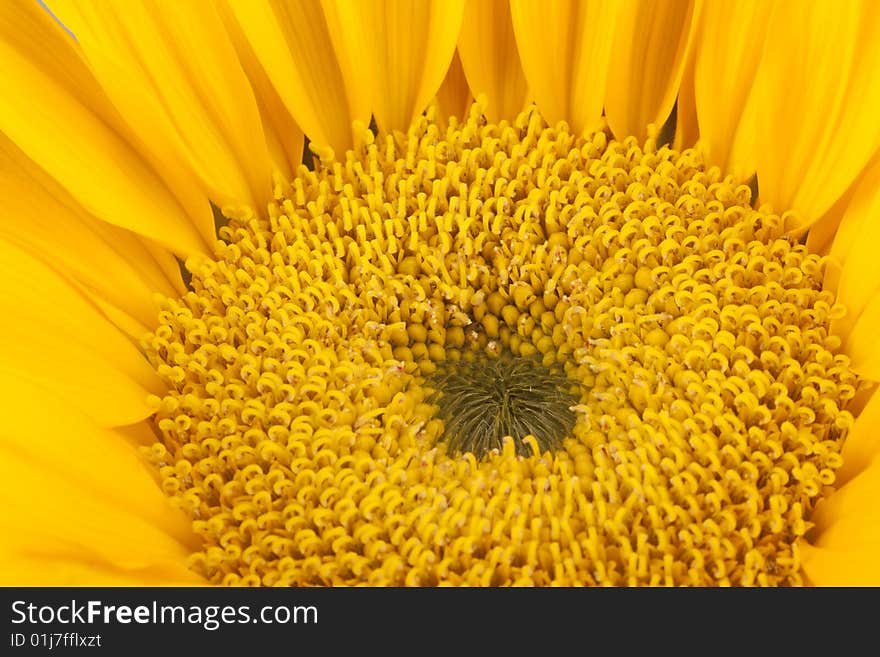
x: 298, y: 431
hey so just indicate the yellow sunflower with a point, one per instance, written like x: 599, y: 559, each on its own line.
x: 611, y: 323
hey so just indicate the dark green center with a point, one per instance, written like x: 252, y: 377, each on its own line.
x: 483, y: 399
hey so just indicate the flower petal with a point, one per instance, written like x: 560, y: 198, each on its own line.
x: 57, y: 340
x: 401, y: 49
x: 293, y: 42
x: 728, y: 48
x: 40, y: 216
x: 53, y: 110
x: 173, y: 74
x: 862, y: 444
x: 687, y: 130
x: 843, y: 507
x: 487, y: 47
x: 651, y: 41
x: 80, y: 508
x: 565, y: 49
x: 822, y: 233
x: 861, y: 344
x: 817, y: 103
x: 847, y: 567
x: 454, y: 95
x: 284, y: 138
x: 854, y: 251
x: 846, y: 539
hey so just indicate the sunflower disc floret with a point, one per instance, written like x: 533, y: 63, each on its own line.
x: 302, y: 433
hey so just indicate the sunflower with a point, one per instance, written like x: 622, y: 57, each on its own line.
x: 399, y: 292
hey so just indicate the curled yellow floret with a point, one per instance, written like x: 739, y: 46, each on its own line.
x: 300, y: 432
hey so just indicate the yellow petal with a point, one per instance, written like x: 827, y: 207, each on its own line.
x: 294, y: 45
x: 139, y: 434
x: 167, y: 263
x: 861, y: 344
x: 454, y: 95
x: 687, y: 130
x: 854, y: 274
x: 173, y: 73
x: 863, y: 395
x: 41, y: 217
x: 57, y: 340
x: 855, y: 251
x: 53, y: 110
x: 862, y: 444
x: 648, y: 57
x: 283, y: 136
x: 401, y: 50
x: 133, y: 328
x: 487, y: 47
x: 80, y: 507
x: 728, y: 48
x: 841, y: 510
x: 848, y: 567
x: 565, y: 49
x: 42, y: 567
x: 821, y: 234
x: 847, y: 530
x: 818, y: 103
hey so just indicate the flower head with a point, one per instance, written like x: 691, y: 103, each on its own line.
x: 528, y: 342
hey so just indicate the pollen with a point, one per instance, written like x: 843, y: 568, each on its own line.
x: 699, y: 401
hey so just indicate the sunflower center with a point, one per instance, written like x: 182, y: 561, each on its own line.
x: 502, y: 354
x: 483, y: 400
